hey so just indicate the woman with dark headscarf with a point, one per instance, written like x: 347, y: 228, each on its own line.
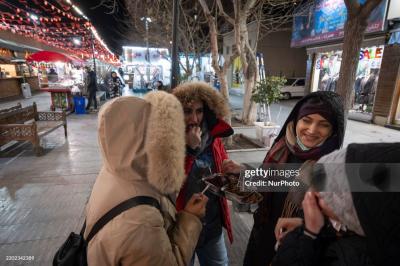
x: 115, y: 85
x: 315, y: 127
x: 351, y: 212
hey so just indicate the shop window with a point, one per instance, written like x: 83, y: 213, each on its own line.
x: 326, y: 73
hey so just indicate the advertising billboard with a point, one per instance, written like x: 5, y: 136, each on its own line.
x: 325, y: 21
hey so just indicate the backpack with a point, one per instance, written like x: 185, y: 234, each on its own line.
x: 73, y: 250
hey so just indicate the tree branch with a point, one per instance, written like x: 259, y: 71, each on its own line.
x: 223, y: 13
x: 353, y: 7
x: 368, y: 7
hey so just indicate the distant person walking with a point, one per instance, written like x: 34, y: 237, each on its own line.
x: 92, y: 88
x: 115, y: 85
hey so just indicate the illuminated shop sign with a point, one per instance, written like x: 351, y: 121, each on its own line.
x: 371, y: 53
x: 325, y: 21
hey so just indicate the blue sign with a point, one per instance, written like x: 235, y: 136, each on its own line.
x: 325, y: 22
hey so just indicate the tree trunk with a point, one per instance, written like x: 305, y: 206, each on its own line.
x: 223, y: 81
x: 249, y: 107
x: 250, y: 78
x: 353, y: 37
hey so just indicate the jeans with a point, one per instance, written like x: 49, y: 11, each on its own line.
x: 213, y: 253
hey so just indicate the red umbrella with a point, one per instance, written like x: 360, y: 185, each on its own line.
x: 47, y: 56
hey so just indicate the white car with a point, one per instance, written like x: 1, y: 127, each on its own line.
x: 294, y: 87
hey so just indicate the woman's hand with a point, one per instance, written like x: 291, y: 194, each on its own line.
x: 313, y: 217
x: 193, y: 137
x: 285, y: 225
x: 230, y: 166
x: 197, y: 205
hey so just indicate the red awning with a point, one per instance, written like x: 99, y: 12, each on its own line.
x: 47, y: 56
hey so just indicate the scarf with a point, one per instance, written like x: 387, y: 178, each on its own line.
x: 288, y: 144
x: 279, y: 153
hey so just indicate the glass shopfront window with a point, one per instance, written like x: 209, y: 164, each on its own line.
x: 326, y: 74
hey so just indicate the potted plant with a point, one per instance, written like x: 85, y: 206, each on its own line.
x: 265, y: 93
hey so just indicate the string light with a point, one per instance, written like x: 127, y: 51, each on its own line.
x: 58, y: 27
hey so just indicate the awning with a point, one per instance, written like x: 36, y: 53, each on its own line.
x: 47, y: 56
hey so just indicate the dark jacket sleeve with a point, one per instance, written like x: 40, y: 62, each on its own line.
x: 297, y: 249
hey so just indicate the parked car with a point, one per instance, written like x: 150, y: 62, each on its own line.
x: 294, y: 87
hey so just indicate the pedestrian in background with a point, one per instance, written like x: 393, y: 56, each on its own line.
x: 115, y: 85
x: 143, y: 149
x: 315, y: 127
x: 92, y: 88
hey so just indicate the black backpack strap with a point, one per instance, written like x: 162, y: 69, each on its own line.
x: 123, y: 206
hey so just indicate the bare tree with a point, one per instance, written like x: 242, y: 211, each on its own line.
x: 354, y: 29
x: 270, y: 15
x: 192, y: 42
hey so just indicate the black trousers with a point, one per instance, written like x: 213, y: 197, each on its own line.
x: 92, y: 97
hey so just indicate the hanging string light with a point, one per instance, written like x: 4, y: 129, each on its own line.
x: 55, y: 23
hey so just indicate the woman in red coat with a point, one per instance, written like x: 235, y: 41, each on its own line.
x: 204, y: 109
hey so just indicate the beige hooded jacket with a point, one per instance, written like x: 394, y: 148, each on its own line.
x: 143, y: 149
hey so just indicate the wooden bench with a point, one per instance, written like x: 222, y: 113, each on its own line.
x: 12, y: 108
x: 27, y: 124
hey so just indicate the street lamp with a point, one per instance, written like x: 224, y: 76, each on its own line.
x: 147, y: 20
x: 174, y: 54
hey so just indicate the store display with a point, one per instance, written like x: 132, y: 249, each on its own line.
x: 326, y: 72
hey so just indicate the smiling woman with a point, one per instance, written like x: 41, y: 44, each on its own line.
x: 314, y: 128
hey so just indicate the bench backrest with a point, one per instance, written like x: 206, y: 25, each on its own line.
x: 19, y: 116
x: 13, y: 108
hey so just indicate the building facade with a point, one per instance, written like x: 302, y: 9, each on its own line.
x: 375, y: 97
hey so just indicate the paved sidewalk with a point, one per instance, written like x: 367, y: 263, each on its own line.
x: 42, y: 199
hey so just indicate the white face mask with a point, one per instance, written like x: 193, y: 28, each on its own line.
x: 338, y: 226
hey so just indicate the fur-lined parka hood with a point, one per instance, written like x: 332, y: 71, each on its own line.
x: 138, y: 136
x: 191, y: 91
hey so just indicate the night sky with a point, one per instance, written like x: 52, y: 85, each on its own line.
x: 108, y: 25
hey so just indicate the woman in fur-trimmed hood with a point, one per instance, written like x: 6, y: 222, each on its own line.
x: 204, y: 110
x: 137, y: 138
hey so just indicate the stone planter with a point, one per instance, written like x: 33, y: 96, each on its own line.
x: 266, y: 133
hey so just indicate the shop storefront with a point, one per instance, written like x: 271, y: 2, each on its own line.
x: 14, y: 73
x: 321, y: 31
x: 144, y: 66
x: 326, y: 73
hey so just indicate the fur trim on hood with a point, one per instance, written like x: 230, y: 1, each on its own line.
x: 191, y: 91
x: 165, y: 143
x: 142, y: 140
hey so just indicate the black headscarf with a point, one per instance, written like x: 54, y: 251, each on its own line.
x: 377, y: 164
